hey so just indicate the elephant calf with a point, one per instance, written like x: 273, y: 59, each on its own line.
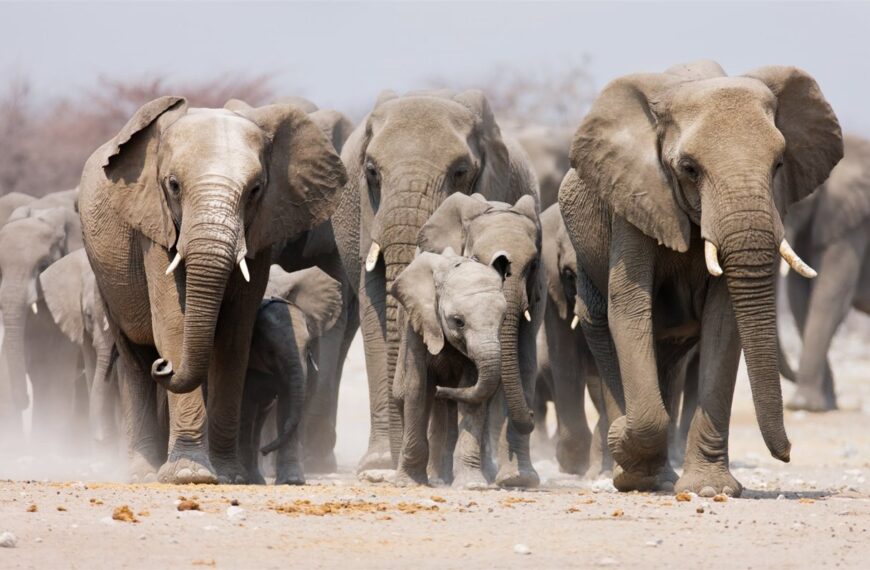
x: 453, y: 308
x: 298, y: 308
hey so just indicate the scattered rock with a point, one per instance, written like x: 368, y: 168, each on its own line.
x: 8, y: 540
x: 521, y: 549
x: 780, y: 497
x: 618, y: 513
x: 700, y: 510
x: 124, y: 514
x: 377, y: 475
x: 32, y: 508
x: 684, y: 497
x: 61, y: 509
x: 653, y: 543
x: 236, y: 514
x: 438, y: 499
x: 187, y: 505
x: 234, y: 503
x: 720, y: 498
x: 806, y: 501
x: 427, y: 503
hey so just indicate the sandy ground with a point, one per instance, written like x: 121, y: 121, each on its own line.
x: 811, y: 513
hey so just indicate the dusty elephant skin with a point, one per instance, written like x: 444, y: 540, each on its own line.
x: 299, y: 307
x: 405, y: 158
x: 831, y: 230
x: 485, y: 230
x: 674, y: 207
x: 171, y: 215
x: 36, y: 235
x: 453, y: 308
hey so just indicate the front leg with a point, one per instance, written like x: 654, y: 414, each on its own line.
x: 229, y: 363
x: 413, y: 390
x: 639, y: 439
x: 705, y: 469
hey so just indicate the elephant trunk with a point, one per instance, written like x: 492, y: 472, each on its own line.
x: 291, y: 401
x: 487, y: 358
x: 208, y: 262
x: 519, y: 412
x: 15, y: 307
x: 99, y: 408
x: 750, y: 259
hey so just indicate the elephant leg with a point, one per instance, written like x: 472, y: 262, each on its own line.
x: 705, y: 469
x: 600, y: 460
x: 372, y: 306
x: 469, y: 464
x: 573, y: 438
x: 251, y: 423
x: 440, y: 465
x: 831, y: 300
x: 321, y: 414
x: 543, y: 396
x: 138, y: 398
x: 417, y: 395
x: 288, y: 462
x: 687, y: 409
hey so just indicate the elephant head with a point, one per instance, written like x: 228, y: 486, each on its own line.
x: 212, y: 187
x: 559, y: 261
x: 692, y: 147
x: 460, y: 301
x: 30, y: 242
x: 313, y: 304
x: 74, y: 301
x: 411, y: 153
x: 484, y: 231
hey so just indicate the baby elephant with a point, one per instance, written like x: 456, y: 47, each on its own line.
x: 449, y: 298
x: 298, y: 308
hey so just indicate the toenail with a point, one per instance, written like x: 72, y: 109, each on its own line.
x: 707, y: 492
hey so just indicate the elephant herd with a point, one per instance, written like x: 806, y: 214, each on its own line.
x: 194, y: 299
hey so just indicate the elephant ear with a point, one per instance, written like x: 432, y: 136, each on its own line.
x: 495, y: 178
x: 552, y: 228
x: 813, y: 139
x: 314, y: 292
x: 843, y: 201
x: 446, y: 226
x: 130, y: 165
x: 615, y: 154
x: 414, y: 288
x: 305, y: 175
x: 63, y: 288
x: 65, y: 221
x: 334, y: 125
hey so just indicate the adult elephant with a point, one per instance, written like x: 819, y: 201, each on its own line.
x: 674, y: 207
x: 173, y: 208
x: 9, y: 203
x: 548, y: 149
x: 74, y: 302
x: 31, y: 241
x: 832, y: 231
x: 403, y: 160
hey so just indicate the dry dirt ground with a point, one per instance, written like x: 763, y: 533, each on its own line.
x: 811, y: 513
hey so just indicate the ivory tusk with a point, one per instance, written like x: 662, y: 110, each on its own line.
x: 243, y: 265
x: 783, y: 267
x: 711, y: 256
x: 34, y: 308
x: 574, y: 322
x: 105, y: 324
x: 527, y: 315
x: 795, y: 261
x: 372, y: 258
x: 175, y: 261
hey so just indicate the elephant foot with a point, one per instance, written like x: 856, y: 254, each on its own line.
x: 142, y: 470
x: 229, y: 471
x: 517, y: 476
x: 188, y: 466
x: 573, y: 456
x: 377, y: 457
x: 290, y: 474
x: 598, y: 471
x: 810, y: 400
x: 635, y: 452
x: 254, y: 477
x: 410, y: 477
x: 709, y: 481
x: 321, y: 463
x: 660, y: 478
x: 470, y: 479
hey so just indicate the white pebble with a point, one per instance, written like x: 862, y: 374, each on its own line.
x: 235, y: 513
x: 521, y: 549
x: 427, y: 503
x: 607, y: 562
x: 780, y: 497
x: 654, y: 543
x: 8, y: 540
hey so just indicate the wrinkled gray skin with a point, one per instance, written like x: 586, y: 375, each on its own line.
x: 74, y: 302
x: 565, y: 362
x: 167, y: 185
x: 483, y: 230
x: 453, y: 308
x: 831, y: 231
x: 33, y: 238
x: 299, y: 307
x: 661, y: 163
x: 407, y: 156
x: 547, y: 148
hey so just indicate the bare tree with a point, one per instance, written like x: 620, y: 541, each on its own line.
x: 43, y: 150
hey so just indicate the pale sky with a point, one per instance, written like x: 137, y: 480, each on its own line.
x: 342, y: 54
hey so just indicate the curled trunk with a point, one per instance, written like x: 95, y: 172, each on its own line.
x: 487, y: 359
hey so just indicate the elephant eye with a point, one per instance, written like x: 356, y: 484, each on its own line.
x: 690, y: 168
x: 173, y: 186
x: 255, y: 191
x: 458, y: 322
x: 373, y: 180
